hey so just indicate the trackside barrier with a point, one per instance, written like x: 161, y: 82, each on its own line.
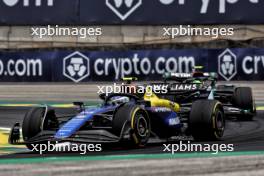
x: 88, y: 66
x: 130, y: 12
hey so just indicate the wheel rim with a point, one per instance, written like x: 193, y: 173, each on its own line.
x: 220, y: 123
x: 142, y: 126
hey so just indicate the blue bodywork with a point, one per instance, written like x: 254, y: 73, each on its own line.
x: 167, y: 117
x: 79, y: 120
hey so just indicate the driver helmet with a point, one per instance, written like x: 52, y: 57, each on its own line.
x: 119, y: 100
x: 197, y: 82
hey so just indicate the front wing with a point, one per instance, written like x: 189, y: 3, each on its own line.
x: 88, y: 136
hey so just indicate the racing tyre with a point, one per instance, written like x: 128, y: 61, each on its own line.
x: 243, y: 99
x: 132, y: 121
x: 32, y: 122
x: 207, y: 120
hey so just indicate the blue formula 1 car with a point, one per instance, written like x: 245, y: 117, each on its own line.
x: 122, y: 118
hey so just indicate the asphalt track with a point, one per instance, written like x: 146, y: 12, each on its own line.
x: 247, y: 159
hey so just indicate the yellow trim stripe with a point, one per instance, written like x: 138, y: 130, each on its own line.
x: 4, y: 135
x: 63, y: 105
x: 133, y: 118
x: 132, y: 125
x: 3, y: 139
x: 214, y: 125
x: 260, y: 108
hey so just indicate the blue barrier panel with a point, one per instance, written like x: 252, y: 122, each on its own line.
x: 26, y: 66
x: 39, y: 12
x: 171, y: 12
x: 85, y: 66
x: 131, y: 12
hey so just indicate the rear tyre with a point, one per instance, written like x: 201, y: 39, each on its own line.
x: 133, y: 121
x: 207, y: 121
x: 243, y: 99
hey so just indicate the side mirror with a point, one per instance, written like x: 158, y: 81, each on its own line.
x: 78, y: 104
x: 14, y: 135
x: 102, y: 96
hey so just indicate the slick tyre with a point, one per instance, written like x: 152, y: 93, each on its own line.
x: 207, y: 120
x: 133, y: 121
x: 31, y: 125
x: 243, y: 99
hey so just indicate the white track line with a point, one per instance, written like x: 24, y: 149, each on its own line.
x: 5, y: 129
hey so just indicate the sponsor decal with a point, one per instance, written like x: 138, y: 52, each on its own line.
x: 167, y: 2
x: 26, y: 3
x: 252, y: 64
x: 82, y: 116
x: 174, y: 121
x: 26, y: 67
x: 182, y: 75
x: 227, y: 64
x: 160, y: 109
x: 76, y: 66
x: 181, y: 87
x: 123, y: 8
x: 206, y: 4
x: 125, y: 66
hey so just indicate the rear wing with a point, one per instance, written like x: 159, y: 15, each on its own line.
x: 129, y: 80
x: 180, y: 77
x: 177, y: 76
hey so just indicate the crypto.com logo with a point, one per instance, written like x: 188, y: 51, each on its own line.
x: 123, y: 8
x: 12, y: 3
x: 76, y: 66
x: 227, y: 64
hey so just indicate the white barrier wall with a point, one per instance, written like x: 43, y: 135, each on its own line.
x: 81, y: 92
x: 20, y: 37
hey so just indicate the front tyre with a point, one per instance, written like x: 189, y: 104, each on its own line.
x: 243, y: 99
x: 133, y: 121
x: 207, y: 120
x: 33, y: 123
